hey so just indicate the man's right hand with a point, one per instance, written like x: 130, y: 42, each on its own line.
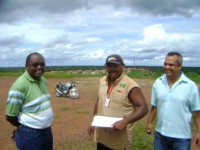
x: 91, y: 130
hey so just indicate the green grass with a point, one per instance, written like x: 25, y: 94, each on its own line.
x: 79, y: 143
x: 141, y: 140
x: 82, y: 111
x: 10, y: 74
x: 150, y: 74
x: 64, y: 108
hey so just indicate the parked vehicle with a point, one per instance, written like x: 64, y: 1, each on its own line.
x: 67, y: 89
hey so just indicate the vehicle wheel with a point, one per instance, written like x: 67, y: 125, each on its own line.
x: 73, y: 93
x: 58, y: 94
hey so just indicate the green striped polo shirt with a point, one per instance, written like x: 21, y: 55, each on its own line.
x: 29, y: 99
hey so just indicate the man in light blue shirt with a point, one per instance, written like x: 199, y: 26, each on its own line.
x: 175, y: 99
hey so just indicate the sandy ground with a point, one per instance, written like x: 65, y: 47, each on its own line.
x: 72, y: 117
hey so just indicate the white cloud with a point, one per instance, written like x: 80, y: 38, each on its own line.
x: 82, y: 32
x: 93, y: 40
x: 155, y: 33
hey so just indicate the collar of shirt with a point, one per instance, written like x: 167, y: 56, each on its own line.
x: 182, y: 78
x: 27, y: 75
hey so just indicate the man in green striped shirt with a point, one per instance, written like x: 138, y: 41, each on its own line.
x: 29, y: 107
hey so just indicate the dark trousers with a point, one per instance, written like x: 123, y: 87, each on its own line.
x: 34, y: 139
x: 162, y: 142
x: 103, y: 147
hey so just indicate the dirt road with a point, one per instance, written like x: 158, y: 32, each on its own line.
x: 72, y: 117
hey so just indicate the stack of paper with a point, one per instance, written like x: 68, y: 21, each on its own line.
x: 104, y: 121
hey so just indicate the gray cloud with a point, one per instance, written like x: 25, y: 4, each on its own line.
x: 13, y: 10
x: 166, y: 8
x: 11, y: 42
x: 84, y: 32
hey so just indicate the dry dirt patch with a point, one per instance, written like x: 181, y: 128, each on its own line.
x: 72, y: 116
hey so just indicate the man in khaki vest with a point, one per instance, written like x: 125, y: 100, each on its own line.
x: 119, y: 96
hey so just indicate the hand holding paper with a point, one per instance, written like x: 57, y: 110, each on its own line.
x: 104, y: 121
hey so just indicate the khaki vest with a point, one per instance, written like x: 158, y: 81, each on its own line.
x: 119, y: 106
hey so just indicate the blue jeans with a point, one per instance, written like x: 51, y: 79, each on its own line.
x: 168, y: 143
x: 34, y: 139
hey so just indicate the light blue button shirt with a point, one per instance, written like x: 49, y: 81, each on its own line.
x: 175, y: 106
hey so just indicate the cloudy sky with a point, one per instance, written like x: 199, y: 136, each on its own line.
x: 85, y: 32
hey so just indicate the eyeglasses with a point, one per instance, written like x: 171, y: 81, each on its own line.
x: 35, y: 65
x: 112, y: 65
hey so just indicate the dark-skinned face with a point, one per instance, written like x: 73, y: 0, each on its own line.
x: 114, y: 70
x: 36, y: 66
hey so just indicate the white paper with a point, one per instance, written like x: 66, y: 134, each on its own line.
x: 104, y: 121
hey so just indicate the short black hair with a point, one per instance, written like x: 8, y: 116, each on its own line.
x: 31, y: 54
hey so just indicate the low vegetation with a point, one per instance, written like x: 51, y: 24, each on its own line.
x: 142, y: 141
x: 98, y: 71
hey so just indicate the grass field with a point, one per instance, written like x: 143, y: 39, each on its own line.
x: 72, y: 117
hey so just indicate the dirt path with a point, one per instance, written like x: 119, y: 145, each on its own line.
x: 72, y: 117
